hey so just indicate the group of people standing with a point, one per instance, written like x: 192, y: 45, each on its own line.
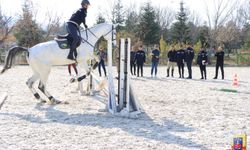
x: 139, y: 58
x: 186, y: 55
x: 180, y: 57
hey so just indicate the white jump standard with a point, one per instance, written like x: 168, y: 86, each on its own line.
x: 125, y: 104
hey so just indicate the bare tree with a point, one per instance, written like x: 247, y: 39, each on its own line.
x: 165, y: 16
x: 53, y: 25
x: 6, y: 26
x: 245, y: 10
x: 229, y: 33
x: 195, y: 18
x: 243, y: 14
x: 218, y: 15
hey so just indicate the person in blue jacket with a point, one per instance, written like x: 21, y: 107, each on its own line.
x: 155, y: 59
x: 73, y: 28
x: 202, y: 61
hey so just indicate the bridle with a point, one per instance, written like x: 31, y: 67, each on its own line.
x: 86, y: 40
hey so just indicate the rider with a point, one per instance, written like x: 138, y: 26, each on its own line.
x: 73, y: 27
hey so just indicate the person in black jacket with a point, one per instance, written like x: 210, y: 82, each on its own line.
x: 189, y: 53
x: 171, y: 61
x: 180, y: 58
x: 132, y: 62
x: 219, y: 63
x: 73, y: 28
x: 202, y: 61
x: 140, y: 59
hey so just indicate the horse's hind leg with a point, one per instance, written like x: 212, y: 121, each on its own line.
x: 30, y: 83
x: 42, y: 87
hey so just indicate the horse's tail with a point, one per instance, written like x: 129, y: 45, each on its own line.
x: 11, y: 55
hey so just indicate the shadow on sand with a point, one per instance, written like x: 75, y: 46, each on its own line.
x: 143, y: 127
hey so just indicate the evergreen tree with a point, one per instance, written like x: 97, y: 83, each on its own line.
x: 203, y: 36
x: 131, y: 22
x: 27, y: 31
x: 180, y: 29
x: 100, y: 19
x: 149, y: 29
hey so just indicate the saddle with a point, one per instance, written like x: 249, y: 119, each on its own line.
x: 64, y: 41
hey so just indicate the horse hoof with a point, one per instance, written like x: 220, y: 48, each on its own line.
x: 54, y: 101
x: 72, y: 80
x: 75, y: 91
x: 42, y: 101
x: 82, y: 93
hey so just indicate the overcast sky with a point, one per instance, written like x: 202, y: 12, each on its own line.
x: 65, y: 8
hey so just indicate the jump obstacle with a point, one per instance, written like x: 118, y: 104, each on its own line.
x: 124, y: 103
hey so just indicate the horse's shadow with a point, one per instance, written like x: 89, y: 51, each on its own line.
x: 143, y: 127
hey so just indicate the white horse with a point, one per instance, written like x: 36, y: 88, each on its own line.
x: 43, y: 56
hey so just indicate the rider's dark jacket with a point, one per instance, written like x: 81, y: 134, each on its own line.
x: 79, y: 17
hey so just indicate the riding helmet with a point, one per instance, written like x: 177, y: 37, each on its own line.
x: 85, y: 2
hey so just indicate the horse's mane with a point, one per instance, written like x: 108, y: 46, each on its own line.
x: 100, y: 24
x: 96, y: 25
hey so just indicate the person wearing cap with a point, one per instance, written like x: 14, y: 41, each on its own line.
x: 155, y: 59
x: 73, y: 25
x: 219, y: 62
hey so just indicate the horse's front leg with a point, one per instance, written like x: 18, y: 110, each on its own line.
x: 83, y: 69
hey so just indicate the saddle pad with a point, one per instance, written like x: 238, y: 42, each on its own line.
x: 62, y: 43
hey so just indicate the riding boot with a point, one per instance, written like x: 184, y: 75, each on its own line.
x: 172, y: 72
x: 75, y: 53
x: 167, y: 72
x: 71, y: 54
x: 222, y: 74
